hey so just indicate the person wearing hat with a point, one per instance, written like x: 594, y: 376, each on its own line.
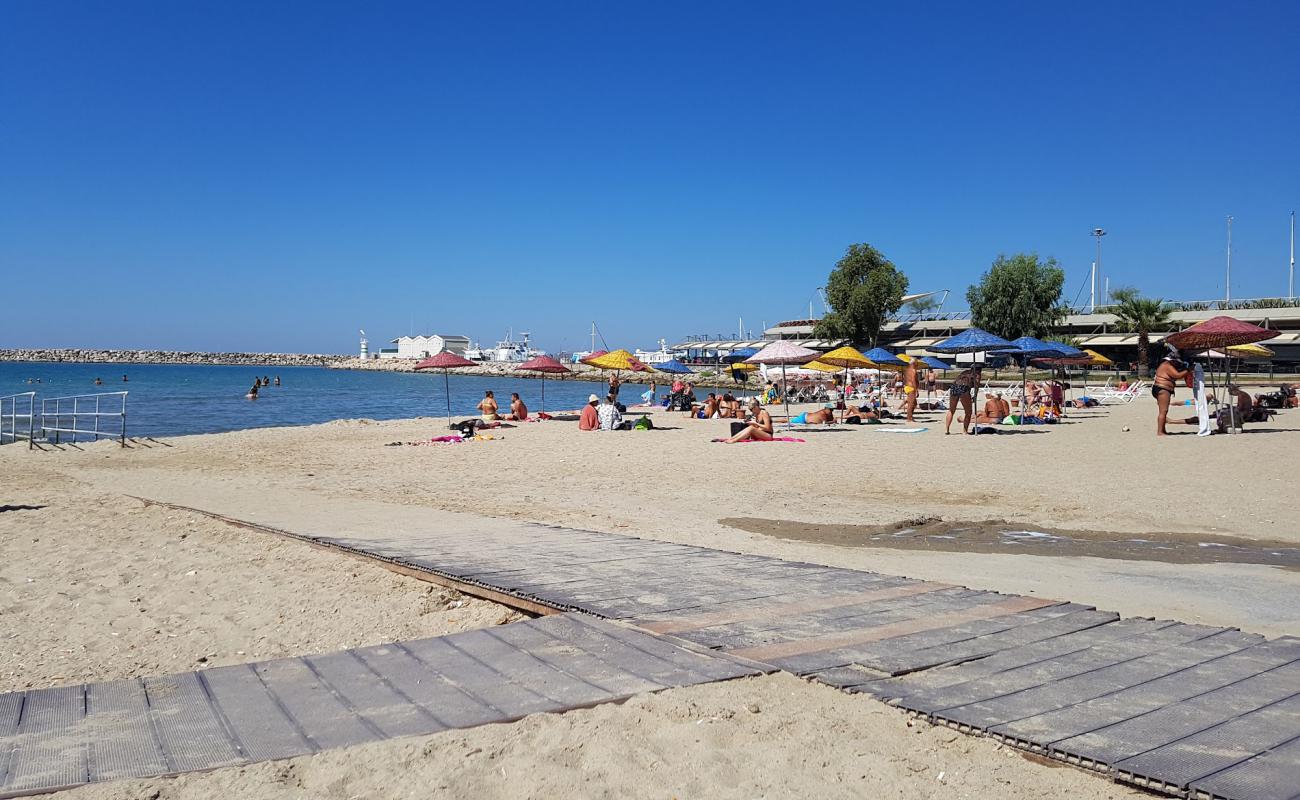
x: 589, y: 420
x: 1169, y: 372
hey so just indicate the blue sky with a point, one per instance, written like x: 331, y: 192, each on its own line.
x: 274, y: 176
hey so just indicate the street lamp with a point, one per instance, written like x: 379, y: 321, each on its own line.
x: 1096, y: 265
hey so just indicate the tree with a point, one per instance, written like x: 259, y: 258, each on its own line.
x: 862, y: 291
x: 1019, y: 296
x: 1142, y: 315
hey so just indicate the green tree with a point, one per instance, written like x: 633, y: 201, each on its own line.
x: 862, y: 291
x: 1019, y: 296
x: 1142, y: 315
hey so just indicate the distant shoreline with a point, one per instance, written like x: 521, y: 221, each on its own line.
x: 580, y: 372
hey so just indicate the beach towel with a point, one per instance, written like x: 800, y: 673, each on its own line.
x: 893, y: 429
x: 774, y: 439
x: 1202, y: 406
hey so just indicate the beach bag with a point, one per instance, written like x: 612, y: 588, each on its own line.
x: 737, y: 427
x: 643, y: 424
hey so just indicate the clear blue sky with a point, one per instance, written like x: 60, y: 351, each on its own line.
x: 274, y: 176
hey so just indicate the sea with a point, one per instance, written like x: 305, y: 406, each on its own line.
x: 181, y: 399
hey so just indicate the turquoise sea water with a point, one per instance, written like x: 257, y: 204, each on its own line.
x: 174, y: 400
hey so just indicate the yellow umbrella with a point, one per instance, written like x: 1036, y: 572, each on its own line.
x: 1250, y: 351
x: 617, y: 360
x: 821, y: 367
x: 1098, y: 360
x: 845, y: 357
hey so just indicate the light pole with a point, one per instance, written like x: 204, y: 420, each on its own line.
x: 1096, y: 265
x: 1227, y: 281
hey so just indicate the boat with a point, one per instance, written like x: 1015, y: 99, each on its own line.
x: 659, y: 356
x: 507, y: 351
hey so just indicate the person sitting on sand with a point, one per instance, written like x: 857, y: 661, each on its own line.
x: 822, y: 416
x: 488, y: 407
x: 995, y: 410
x: 589, y: 420
x: 1172, y: 369
x: 706, y: 410
x: 759, y: 429
x: 518, y: 411
x: 611, y: 419
x: 730, y: 407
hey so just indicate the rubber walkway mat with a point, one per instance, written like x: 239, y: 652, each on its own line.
x: 71, y: 735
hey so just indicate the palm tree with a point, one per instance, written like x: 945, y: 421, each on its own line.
x: 1141, y: 315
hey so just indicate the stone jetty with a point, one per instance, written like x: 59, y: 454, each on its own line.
x: 77, y: 355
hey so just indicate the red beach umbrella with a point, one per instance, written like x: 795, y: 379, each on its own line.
x: 446, y: 360
x: 543, y: 365
x: 1220, y: 332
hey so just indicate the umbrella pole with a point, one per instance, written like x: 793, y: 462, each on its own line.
x: 446, y: 389
x: 785, y: 395
x: 543, y: 392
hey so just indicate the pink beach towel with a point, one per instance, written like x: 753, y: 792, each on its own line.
x: 760, y: 441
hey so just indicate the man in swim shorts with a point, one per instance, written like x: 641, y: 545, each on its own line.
x: 518, y: 411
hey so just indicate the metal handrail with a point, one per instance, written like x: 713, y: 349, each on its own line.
x: 12, y: 432
x: 59, y: 414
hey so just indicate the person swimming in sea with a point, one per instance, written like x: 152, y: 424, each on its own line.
x: 98, y: 382
x: 252, y: 393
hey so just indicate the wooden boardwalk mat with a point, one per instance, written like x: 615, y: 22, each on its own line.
x: 1183, y: 709
x: 71, y: 735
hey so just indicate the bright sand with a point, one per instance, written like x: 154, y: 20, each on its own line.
x: 97, y: 585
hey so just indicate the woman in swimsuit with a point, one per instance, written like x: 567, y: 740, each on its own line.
x: 960, y: 393
x: 1171, y: 369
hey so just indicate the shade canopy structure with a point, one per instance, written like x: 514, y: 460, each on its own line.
x: 971, y: 340
x: 543, y: 365
x: 672, y: 367
x: 1219, y: 331
x: 783, y: 353
x: 445, y: 361
x: 618, y: 360
x: 881, y: 357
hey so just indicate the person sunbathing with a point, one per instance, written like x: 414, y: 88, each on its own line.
x: 995, y: 410
x: 822, y: 416
x: 706, y: 410
x: 760, y: 429
x: 518, y: 411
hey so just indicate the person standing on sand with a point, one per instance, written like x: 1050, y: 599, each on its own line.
x: 759, y: 429
x: 911, y: 385
x: 589, y: 420
x: 931, y: 383
x: 963, y: 387
x: 1170, y: 370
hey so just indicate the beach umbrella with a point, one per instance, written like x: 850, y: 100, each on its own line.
x: 848, y: 358
x: 617, y: 360
x: 739, y: 354
x: 1098, y: 360
x: 673, y: 367
x: 445, y: 361
x: 881, y: 357
x: 782, y: 352
x: 1025, y: 348
x: 1220, y: 332
x: 543, y: 365
x: 971, y: 340
x: 1250, y: 351
x: 934, y: 363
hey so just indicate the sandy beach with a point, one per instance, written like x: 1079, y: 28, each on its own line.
x: 148, y: 590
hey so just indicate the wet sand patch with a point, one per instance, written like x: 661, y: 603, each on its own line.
x: 1000, y: 536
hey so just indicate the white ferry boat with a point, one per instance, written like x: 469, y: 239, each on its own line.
x: 507, y: 351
